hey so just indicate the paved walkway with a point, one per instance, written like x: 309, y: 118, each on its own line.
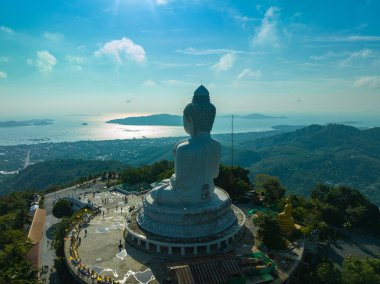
x: 47, y: 252
x: 357, y: 244
x: 99, y: 249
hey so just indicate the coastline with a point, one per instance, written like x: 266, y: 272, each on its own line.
x: 71, y: 128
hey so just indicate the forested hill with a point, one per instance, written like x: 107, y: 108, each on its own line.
x: 332, y: 154
x: 43, y: 175
x: 316, y: 137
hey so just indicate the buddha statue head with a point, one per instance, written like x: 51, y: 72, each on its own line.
x: 199, y: 115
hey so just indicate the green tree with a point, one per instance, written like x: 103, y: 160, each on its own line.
x: 60, y: 231
x: 147, y: 174
x: 14, y: 245
x: 274, y: 191
x: 166, y: 174
x: 344, y: 206
x: 326, y: 273
x: 260, y: 179
x: 366, y: 271
x: 62, y: 209
x: 234, y: 180
x: 269, y: 231
x: 320, y: 191
x: 331, y: 214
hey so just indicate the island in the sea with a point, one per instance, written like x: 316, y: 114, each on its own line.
x: 155, y: 119
x: 256, y: 116
x: 176, y: 120
x: 32, y: 122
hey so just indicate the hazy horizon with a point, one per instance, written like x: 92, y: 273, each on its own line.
x: 69, y: 128
x: 124, y: 56
x: 114, y: 115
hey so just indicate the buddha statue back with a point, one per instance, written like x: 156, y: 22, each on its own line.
x: 188, y: 205
x: 196, y: 160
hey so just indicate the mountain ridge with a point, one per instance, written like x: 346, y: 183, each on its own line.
x: 59, y: 172
x: 332, y: 154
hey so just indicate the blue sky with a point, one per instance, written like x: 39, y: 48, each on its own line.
x: 148, y: 56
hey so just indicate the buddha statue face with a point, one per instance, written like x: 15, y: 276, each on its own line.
x: 199, y: 115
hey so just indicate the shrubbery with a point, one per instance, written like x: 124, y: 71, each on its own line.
x: 14, y: 268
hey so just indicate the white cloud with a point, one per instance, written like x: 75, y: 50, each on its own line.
x: 54, y: 36
x: 192, y: 51
x: 177, y: 83
x: 351, y: 38
x: 171, y: 65
x: 245, y: 19
x: 76, y: 67
x: 3, y: 75
x: 368, y: 81
x: 248, y: 73
x: 72, y: 59
x: 225, y: 62
x: 201, y: 64
x: 149, y: 83
x: 361, y: 54
x: 211, y: 86
x: 45, y: 61
x: 267, y: 32
x: 327, y: 55
x: 6, y: 30
x: 4, y: 59
x: 124, y: 46
x: 162, y: 2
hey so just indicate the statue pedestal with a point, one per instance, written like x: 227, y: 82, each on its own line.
x: 177, y: 222
x: 213, y: 235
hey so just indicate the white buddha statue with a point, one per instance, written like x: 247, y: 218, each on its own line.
x: 188, y: 205
x: 196, y: 160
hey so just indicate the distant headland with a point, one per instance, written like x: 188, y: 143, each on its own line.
x: 256, y: 116
x: 155, y: 119
x: 32, y: 122
x: 176, y: 120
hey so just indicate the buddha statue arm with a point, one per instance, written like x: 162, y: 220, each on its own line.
x: 181, y: 163
x: 176, y: 146
x: 216, y: 161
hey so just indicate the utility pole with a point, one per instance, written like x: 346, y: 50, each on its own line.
x: 232, y: 140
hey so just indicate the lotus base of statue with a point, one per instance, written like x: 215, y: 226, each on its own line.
x: 205, y: 220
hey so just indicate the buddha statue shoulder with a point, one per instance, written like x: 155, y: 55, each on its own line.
x: 196, y: 160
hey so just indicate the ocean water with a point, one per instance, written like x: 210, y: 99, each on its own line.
x: 69, y: 128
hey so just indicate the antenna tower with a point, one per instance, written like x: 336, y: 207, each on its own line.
x: 232, y: 140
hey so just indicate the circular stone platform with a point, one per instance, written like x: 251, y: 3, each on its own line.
x: 189, y: 222
x: 170, y: 246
